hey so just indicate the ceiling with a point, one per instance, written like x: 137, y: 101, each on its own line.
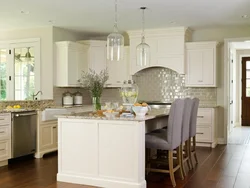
x: 97, y: 15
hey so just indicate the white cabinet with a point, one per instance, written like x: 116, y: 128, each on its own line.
x: 71, y: 59
x: 96, y: 54
x: 206, y: 127
x: 167, y: 48
x: 201, y: 64
x: 5, y: 138
x: 118, y: 71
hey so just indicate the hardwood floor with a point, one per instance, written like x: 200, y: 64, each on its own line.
x: 225, y: 166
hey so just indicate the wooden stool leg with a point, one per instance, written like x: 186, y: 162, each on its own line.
x: 179, y: 161
x: 187, y: 155
x: 190, y: 152
x: 171, y: 167
x: 182, y: 163
x: 194, y: 149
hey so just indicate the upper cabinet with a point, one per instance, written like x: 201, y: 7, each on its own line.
x: 118, y: 71
x: 96, y: 54
x: 167, y: 48
x: 70, y: 61
x: 201, y: 62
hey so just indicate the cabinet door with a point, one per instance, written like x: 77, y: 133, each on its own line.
x: 201, y: 68
x: 97, y: 58
x: 118, y: 71
x: 5, y: 150
x: 47, y: 136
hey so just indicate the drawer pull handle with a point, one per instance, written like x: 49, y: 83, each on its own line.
x: 54, y: 127
x: 199, y: 133
x: 2, y: 149
x: 200, y: 80
x: 2, y: 132
x: 200, y: 116
x: 1, y: 119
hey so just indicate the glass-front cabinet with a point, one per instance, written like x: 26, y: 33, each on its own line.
x: 19, y: 70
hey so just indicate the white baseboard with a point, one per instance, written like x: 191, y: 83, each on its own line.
x: 221, y: 141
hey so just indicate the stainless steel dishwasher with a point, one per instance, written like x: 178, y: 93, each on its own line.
x: 24, y: 127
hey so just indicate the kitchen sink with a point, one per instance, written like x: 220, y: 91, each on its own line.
x: 50, y: 113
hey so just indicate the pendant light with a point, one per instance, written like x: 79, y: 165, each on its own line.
x: 143, y: 49
x: 115, y: 42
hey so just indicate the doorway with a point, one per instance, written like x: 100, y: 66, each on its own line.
x: 245, y: 100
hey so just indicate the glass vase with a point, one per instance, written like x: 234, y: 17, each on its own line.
x: 96, y: 101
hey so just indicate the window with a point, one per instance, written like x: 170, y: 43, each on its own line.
x: 19, y: 69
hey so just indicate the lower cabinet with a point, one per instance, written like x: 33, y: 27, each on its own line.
x: 46, y: 137
x: 5, y: 138
x: 206, y: 134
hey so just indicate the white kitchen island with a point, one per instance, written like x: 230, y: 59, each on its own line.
x: 103, y: 152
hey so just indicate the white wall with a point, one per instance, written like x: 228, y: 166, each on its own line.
x: 219, y: 34
x: 45, y: 34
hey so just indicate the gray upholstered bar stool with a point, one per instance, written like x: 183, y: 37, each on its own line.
x: 168, y: 140
x: 192, y: 132
x: 185, y: 133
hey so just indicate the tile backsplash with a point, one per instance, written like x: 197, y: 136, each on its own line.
x: 155, y: 84
x: 165, y: 85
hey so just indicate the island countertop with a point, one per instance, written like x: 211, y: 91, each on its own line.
x: 154, y: 113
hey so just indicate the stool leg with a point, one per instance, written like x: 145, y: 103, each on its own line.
x: 182, y: 163
x: 171, y: 167
x: 187, y: 154
x: 148, y: 155
x: 194, y: 149
x: 190, y: 152
x: 179, y: 161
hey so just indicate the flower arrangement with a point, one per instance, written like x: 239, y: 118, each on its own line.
x: 94, y: 82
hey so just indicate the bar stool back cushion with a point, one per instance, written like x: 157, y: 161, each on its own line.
x: 194, y: 117
x: 189, y: 103
x: 171, y: 138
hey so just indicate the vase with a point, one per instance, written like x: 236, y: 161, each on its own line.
x: 96, y: 101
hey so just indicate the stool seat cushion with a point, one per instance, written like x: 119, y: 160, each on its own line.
x: 158, y: 140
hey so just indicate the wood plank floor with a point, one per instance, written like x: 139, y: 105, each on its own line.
x: 225, y: 166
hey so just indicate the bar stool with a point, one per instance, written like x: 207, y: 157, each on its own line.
x: 169, y: 140
x: 192, y: 132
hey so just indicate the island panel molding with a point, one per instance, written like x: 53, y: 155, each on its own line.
x: 105, y: 153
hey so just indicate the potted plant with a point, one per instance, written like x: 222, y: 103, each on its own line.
x: 95, y: 82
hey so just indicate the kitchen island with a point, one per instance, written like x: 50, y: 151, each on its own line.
x: 104, y: 152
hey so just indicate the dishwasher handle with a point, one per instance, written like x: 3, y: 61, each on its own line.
x: 26, y: 114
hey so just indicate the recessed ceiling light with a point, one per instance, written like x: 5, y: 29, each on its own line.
x: 245, y: 16
x: 51, y: 21
x: 24, y: 12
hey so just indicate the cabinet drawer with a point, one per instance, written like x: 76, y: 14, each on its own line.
x: 4, y: 150
x: 4, y: 132
x: 204, y: 134
x: 205, y: 116
x: 5, y: 119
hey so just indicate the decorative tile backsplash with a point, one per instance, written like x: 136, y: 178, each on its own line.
x: 155, y: 84
x: 165, y: 85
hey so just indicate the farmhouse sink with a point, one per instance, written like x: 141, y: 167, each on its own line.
x: 50, y: 113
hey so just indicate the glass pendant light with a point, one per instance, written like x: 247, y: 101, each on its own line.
x: 115, y: 42
x: 143, y: 49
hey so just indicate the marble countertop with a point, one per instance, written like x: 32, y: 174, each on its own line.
x: 89, y: 115
x: 208, y: 106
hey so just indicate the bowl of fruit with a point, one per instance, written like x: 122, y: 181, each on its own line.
x: 140, y: 109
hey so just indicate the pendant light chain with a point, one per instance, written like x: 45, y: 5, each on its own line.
x: 116, y: 19
x: 143, y: 24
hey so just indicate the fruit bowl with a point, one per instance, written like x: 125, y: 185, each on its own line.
x: 140, y: 111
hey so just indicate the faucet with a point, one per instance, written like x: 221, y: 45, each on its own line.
x: 33, y: 96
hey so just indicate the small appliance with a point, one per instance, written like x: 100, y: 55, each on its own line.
x: 78, y: 99
x: 67, y: 99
